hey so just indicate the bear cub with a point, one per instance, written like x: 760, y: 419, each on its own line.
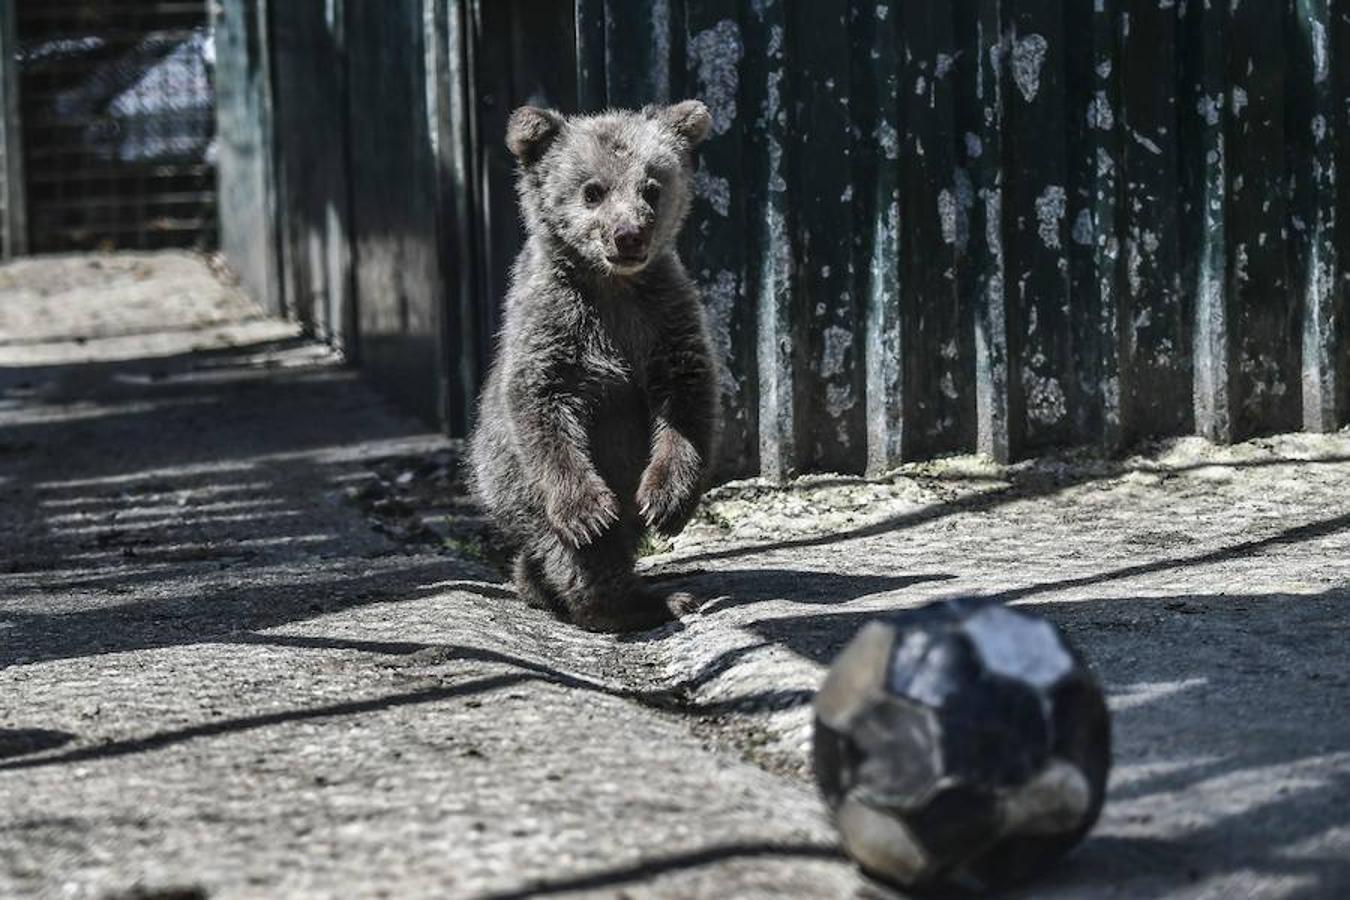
x: 598, y: 415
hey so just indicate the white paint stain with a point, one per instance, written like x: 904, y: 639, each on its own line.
x: 1099, y: 114
x: 719, y: 300
x: 1321, y: 59
x: 1105, y: 165
x: 837, y: 343
x: 1146, y: 143
x: 1134, y: 260
x: 712, y: 188
x: 715, y: 56
x: 948, y: 386
x: 1050, y: 211
x: 1082, y: 228
x: 1209, y: 107
x: 954, y: 205
x: 1028, y: 56
x: 838, y: 400
x: 946, y: 203
x: 1045, y: 399
x: 889, y: 140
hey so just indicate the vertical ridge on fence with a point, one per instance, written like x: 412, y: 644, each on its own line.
x: 1312, y: 222
x: 980, y: 114
x: 639, y: 43
x: 1265, y: 330
x: 393, y: 179
x: 1036, y: 196
x: 716, y: 237
x: 1093, y: 212
x: 13, y: 203
x: 876, y: 98
x: 770, y: 270
x: 1204, y: 117
x: 451, y: 115
x: 935, y: 234
x: 1339, y: 28
x: 830, y: 434
x: 591, y: 38
x: 1158, y: 328
x: 245, y: 123
x: 310, y: 99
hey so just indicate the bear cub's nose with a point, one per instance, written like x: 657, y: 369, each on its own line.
x: 630, y: 241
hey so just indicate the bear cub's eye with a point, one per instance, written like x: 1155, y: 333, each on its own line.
x: 592, y: 193
x: 651, y: 194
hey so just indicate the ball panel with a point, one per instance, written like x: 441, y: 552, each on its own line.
x: 1055, y: 801
x: 933, y: 668
x: 901, y: 763
x: 857, y: 677
x: 956, y: 822
x: 882, y: 844
x: 835, y: 760
x: 1019, y: 646
x: 994, y: 732
x: 1081, y: 729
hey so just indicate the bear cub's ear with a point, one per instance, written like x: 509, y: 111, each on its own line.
x: 530, y: 131
x: 689, y: 119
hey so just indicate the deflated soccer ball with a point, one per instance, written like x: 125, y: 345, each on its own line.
x: 964, y: 744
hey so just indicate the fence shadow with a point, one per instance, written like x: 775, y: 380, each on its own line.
x: 665, y: 864
x: 1040, y: 480
x: 25, y: 741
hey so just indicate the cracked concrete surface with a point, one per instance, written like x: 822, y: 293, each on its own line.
x: 248, y: 649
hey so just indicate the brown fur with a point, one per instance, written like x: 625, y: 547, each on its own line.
x: 598, y: 415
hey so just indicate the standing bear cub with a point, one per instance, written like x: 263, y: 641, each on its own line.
x: 598, y: 415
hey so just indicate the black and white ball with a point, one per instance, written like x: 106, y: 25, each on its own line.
x: 964, y: 744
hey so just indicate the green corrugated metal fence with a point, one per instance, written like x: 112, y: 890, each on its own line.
x: 922, y: 227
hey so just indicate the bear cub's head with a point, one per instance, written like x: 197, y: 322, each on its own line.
x: 611, y: 190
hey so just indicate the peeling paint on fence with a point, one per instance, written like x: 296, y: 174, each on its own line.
x: 715, y: 56
x: 931, y: 227
x: 1016, y: 181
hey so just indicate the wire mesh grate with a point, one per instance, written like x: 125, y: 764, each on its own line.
x: 117, y: 104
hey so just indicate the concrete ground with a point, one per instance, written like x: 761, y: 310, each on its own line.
x: 252, y: 643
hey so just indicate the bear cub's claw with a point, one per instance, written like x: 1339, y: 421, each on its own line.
x: 668, y: 490
x: 581, y: 512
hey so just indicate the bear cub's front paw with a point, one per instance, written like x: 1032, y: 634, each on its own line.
x: 581, y: 510
x: 669, y: 487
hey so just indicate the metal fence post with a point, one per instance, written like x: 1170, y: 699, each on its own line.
x: 13, y: 204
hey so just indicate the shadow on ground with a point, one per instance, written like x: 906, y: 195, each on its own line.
x: 190, y: 495
x: 1232, y: 742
